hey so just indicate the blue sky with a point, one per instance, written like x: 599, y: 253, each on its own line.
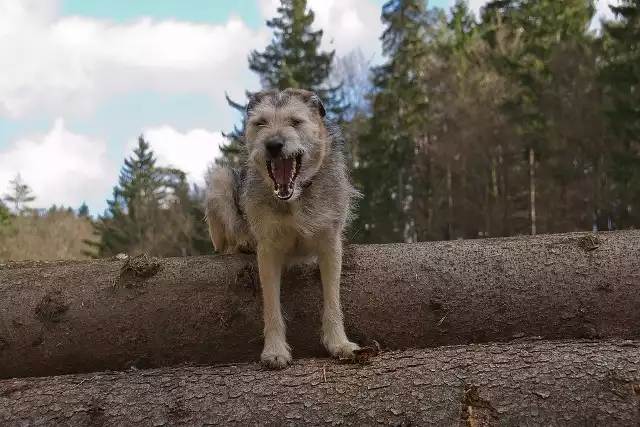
x: 88, y: 76
x: 205, y: 11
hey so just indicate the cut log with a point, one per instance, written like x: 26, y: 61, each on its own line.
x: 74, y: 317
x: 524, y: 384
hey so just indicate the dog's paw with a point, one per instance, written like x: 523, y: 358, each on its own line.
x: 343, y: 349
x: 275, y: 360
x: 276, y: 356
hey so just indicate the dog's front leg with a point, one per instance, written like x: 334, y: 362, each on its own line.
x: 276, y: 353
x: 334, y: 337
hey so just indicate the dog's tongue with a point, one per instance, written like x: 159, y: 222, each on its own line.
x: 282, y: 171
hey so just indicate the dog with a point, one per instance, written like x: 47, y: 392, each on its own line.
x: 289, y: 204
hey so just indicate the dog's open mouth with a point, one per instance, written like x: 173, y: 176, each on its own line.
x: 283, y: 171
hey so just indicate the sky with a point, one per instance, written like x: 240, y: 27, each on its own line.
x: 80, y: 80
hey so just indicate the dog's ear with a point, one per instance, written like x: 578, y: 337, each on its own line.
x: 254, y: 99
x: 317, y: 104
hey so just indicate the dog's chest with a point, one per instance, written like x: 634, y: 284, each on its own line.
x: 298, y: 224
x: 294, y: 233
x: 301, y: 221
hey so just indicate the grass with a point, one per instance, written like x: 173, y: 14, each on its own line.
x: 53, y: 236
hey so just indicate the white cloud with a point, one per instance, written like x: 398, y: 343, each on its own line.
x: 61, y: 167
x: 191, y: 151
x: 347, y: 24
x: 67, y: 65
x: 66, y: 168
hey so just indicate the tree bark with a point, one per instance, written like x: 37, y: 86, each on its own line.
x: 524, y: 384
x: 74, y: 317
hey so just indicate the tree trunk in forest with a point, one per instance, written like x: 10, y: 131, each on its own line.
x: 87, y: 316
x: 505, y: 190
x: 489, y: 213
x: 400, y: 227
x: 449, y: 203
x: 494, y: 179
x: 542, y: 383
x: 532, y: 190
x: 427, y: 232
x: 430, y: 199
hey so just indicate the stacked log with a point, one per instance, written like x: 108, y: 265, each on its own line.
x: 509, y: 331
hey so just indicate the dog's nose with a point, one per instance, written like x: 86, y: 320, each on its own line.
x: 274, y: 146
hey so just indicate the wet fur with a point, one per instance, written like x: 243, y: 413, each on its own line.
x: 244, y: 215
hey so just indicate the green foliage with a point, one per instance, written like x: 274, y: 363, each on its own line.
x: 621, y: 74
x: 292, y: 59
x: 5, y: 214
x: 200, y: 239
x: 151, y: 211
x: 543, y: 25
x: 502, y: 116
x: 83, y: 210
x: 522, y: 121
x: 385, y: 172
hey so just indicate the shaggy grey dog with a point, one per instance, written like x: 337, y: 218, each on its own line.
x: 289, y: 203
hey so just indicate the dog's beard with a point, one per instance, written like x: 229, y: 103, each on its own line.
x: 284, y: 171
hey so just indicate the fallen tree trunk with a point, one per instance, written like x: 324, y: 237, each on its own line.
x: 525, y: 384
x: 72, y: 317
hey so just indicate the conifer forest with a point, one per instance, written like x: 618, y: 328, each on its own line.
x: 523, y: 120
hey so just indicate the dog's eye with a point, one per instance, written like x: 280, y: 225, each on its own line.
x: 296, y: 122
x: 261, y: 123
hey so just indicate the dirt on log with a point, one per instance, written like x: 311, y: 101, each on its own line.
x: 74, y: 317
x: 525, y: 384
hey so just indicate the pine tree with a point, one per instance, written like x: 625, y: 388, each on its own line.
x: 621, y: 74
x: 464, y: 31
x: 292, y: 59
x: 542, y: 26
x: 83, y: 210
x: 135, y: 217
x: 456, y: 44
x: 386, y: 153
x: 19, y: 194
x: 200, y: 240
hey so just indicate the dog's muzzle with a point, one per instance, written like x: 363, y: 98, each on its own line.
x: 283, y: 171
